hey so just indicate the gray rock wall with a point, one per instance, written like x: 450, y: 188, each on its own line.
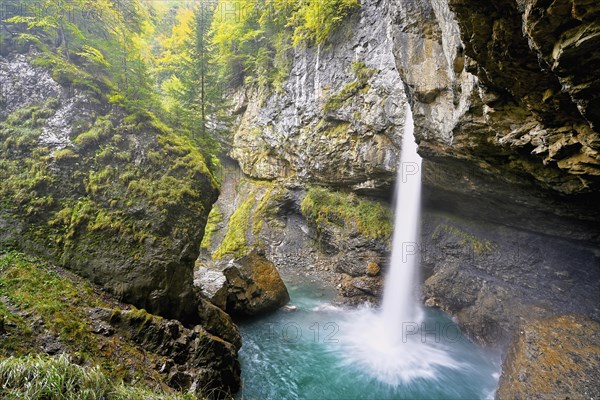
x: 352, y: 142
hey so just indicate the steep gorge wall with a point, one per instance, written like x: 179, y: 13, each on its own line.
x: 338, y: 117
x: 122, y: 202
x: 529, y: 138
x: 504, y: 102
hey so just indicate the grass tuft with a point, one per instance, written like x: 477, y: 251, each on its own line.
x: 36, y: 377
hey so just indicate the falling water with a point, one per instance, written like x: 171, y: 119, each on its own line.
x: 389, y: 344
x: 399, y: 303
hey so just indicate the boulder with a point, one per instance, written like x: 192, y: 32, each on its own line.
x: 254, y: 286
x: 248, y: 286
x: 213, y: 285
x: 553, y: 358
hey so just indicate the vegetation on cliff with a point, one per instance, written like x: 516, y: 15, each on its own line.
x: 235, y: 241
x: 369, y: 218
x: 94, y: 175
x: 253, y: 39
x: 103, y: 189
x: 362, y: 74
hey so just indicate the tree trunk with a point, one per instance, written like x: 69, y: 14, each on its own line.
x: 64, y: 40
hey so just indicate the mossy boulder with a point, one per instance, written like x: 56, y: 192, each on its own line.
x: 254, y: 286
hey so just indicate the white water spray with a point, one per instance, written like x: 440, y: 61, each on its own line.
x: 388, y: 344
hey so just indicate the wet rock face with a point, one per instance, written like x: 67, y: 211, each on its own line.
x: 553, y: 358
x: 492, y: 277
x: 518, y: 149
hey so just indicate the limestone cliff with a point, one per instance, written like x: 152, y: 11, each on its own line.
x: 492, y: 121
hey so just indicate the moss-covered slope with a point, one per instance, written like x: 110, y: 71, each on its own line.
x: 59, y: 329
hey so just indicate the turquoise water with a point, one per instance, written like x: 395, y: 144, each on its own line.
x: 317, y: 352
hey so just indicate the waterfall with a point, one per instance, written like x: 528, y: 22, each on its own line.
x: 390, y: 344
x: 399, y: 302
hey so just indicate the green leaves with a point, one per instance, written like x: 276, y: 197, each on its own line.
x: 45, y: 23
x: 316, y: 19
x: 93, y: 55
x: 252, y: 38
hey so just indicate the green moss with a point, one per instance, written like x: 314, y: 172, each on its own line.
x: 215, y: 217
x: 100, y: 180
x: 235, y: 242
x: 25, y: 172
x: 16, y: 335
x: 73, y: 215
x: 39, y: 291
x: 102, y: 128
x: 65, y: 154
x: 138, y: 319
x: 67, y: 73
x: 261, y: 211
x: 362, y: 74
x: 22, y: 128
x: 186, y: 155
x: 337, y: 130
x: 31, y: 186
x: 478, y: 246
x: 370, y: 218
x: 118, y: 139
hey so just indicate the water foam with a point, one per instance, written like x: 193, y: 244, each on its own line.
x: 367, y: 345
